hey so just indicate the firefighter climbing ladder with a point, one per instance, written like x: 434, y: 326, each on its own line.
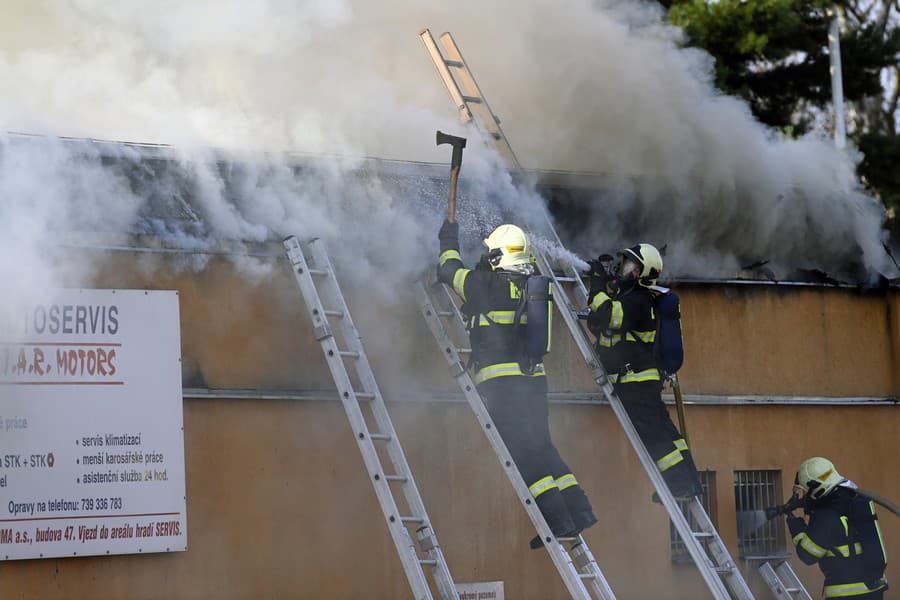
x: 783, y: 582
x: 325, y: 303
x: 709, y: 553
x: 575, y: 564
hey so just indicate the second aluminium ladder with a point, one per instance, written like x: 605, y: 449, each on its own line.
x: 575, y: 564
x: 325, y: 303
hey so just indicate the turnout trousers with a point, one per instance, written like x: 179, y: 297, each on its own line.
x: 644, y: 405
x: 518, y: 406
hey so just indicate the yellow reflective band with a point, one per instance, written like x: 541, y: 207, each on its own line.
x: 681, y: 444
x: 598, y: 301
x: 506, y: 370
x: 846, y: 589
x: 803, y: 541
x: 618, y: 315
x: 607, y: 341
x: 449, y: 255
x: 669, y: 460
x: 566, y: 481
x: 846, y: 523
x: 842, y: 550
x: 647, y: 337
x: 459, y: 282
x: 645, y: 375
x: 542, y: 485
x: 500, y: 317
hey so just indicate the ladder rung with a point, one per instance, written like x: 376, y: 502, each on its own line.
x: 349, y: 353
x: 565, y: 279
x: 463, y: 350
x: 365, y: 395
x: 723, y: 569
x: 380, y: 436
x: 792, y: 590
x: 430, y: 562
x: 567, y: 539
x: 445, y: 313
x: 586, y: 575
x: 319, y: 272
x: 412, y: 519
x: 335, y: 313
x: 453, y: 63
x: 701, y: 534
x: 402, y: 478
x: 472, y: 99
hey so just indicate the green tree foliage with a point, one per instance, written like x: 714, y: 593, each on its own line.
x: 774, y: 54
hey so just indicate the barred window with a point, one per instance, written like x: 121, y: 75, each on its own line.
x: 680, y: 554
x: 758, y: 538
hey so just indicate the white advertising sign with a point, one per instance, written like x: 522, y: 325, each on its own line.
x: 91, y: 435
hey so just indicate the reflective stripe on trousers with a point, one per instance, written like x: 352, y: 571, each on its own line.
x: 542, y: 485
x: 844, y: 590
x: 635, y: 377
x: 506, y: 370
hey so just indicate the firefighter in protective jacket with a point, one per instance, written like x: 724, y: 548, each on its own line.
x: 623, y: 319
x: 514, y: 389
x: 842, y: 535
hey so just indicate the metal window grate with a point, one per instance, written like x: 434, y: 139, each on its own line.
x: 680, y: 554
x: 753, y: 492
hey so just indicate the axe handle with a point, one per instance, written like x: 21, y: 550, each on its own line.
x: 451, y: 208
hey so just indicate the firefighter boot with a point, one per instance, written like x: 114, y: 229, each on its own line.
x: 579, y: 507
x: 553, y: 507
x: 682, y: 479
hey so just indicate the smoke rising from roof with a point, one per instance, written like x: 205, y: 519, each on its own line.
x: 593, y: 86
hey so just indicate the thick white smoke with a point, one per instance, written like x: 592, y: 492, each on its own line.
x: 581, y: 85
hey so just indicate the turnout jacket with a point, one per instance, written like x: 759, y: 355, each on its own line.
x: 842, y: 528
x: 490, y: 300
x: 625, y: 326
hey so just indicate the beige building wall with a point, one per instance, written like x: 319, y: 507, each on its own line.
x: 279, y: 503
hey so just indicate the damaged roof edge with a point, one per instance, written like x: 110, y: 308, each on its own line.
x: 146, y: 244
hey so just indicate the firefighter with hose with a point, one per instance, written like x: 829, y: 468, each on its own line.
x: 842, y: 534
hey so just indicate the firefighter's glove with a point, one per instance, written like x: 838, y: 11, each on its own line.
x: 449, y: 234
x: 796, y: 525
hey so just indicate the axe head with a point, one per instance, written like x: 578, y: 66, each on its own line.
x: 446, y: 138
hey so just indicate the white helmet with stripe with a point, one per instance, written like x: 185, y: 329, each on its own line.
x: 508, y: 246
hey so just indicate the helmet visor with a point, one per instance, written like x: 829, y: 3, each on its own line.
x: 628, y: 265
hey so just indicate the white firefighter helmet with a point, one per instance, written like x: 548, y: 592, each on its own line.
x: 512, y: 244
x: 645, y: 256
x: 816, y: 477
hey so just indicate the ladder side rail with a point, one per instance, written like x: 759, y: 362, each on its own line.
x: 561, y: 561
x: 707, y: 570
x: 476, y: 101
x: 718, y: 550
x: 353, y: 340
x: 444, y: 73
x: 792, y: 582
x: 406, y: 549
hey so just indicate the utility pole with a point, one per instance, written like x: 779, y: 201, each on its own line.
x: 837, y: 83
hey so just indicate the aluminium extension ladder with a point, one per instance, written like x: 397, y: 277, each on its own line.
x: 571, y: 556
x: 325, y: 304
x: 719, y: 571
x: 783, y: 581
